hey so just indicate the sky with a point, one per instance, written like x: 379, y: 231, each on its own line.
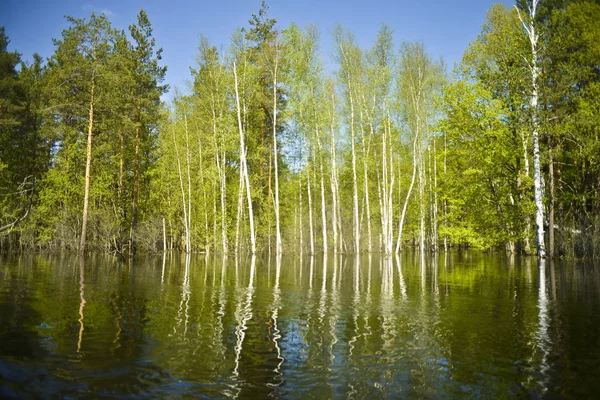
x: 445, y: 27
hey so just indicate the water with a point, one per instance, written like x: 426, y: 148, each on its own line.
x: 461, y: 325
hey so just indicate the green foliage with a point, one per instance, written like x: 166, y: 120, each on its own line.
x: 351, y: 146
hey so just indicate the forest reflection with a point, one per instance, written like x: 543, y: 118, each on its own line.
x: 330, y: 325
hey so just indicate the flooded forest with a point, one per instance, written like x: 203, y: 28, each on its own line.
x: 276, y: 148
x: 300, y: 222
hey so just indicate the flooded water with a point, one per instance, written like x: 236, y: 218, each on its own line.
x: 456, y: 325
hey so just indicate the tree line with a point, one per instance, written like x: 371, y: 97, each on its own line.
x: 267, y: 151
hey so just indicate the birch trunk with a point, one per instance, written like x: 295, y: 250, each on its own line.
x: 319, y: 156
x: 323, y: 206
x: 279, y: 245
x: 422, y: 204
x: 334, y: 191
x: 410, y: 188
x: 529, y: 27
x: 445, y: 205
x: 183, y: 201
x: 310, y: 214
x: 349, y: 89
x: 164, y: 235
x: 239, y: 212
x: 243, y: 165
x: 366, y: 183
x: 300, y: 215
x: 189, y: 179
x: 220, y: 161
x: 205, y: 202
x: 355, y: 219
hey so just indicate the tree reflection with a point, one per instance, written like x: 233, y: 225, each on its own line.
x: 243, y: 314
x: 81, y: 302
x: 543, y: 341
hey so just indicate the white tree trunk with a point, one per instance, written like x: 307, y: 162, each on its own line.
x: 529, y: 27
x: 183, y: 200
x: 366, y: 182
x: 279, y: 245
x: 323, y: 205
x: 310, y: 214
x: 334, y: 181
x: 220, y: 162
x: 243, y: 165
x: 355, y: 219
x: 238, y: 219
x: 189, y: 181
x: 410, y: 188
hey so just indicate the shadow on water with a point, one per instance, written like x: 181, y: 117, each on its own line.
x: 326, y: 326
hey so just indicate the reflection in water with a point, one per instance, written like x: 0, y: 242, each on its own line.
x: 82, y: 301
x: 423, y: 271
x: 542, y: 338
x: 387, y: 278
x: 312, y: 267
x: 164, y: 263
x: 400, y: 277
x: 274, y: 315
x: 355, y: 308
x: 334, y: 309
x: 334, y: 327
x: 185, y: 298
x: 243, y: 315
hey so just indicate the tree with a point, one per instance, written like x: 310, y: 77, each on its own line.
x: 529, y: 25
x: 24, y: 151
x: 418, y: 80
x: 81, y: 66
x: 147, y: 77
x: 349, y: 58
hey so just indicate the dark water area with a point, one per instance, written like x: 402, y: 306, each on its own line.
x: 457, y: 325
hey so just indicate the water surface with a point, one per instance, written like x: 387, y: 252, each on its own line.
x: 458, y: 325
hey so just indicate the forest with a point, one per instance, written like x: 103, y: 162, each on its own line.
x: 269, y: 152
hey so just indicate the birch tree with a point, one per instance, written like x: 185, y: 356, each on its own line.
x: 348, y: 55
x: 529, y: 25
x: 418, y: 80
x: 211, y: 97
x: 243, y: 163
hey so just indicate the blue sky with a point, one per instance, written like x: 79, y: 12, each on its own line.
x: 446, y: 27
